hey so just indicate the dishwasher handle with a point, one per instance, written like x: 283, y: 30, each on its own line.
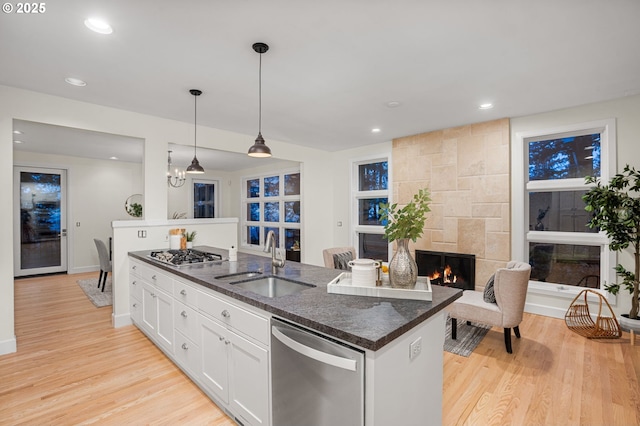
x: 323, y: 357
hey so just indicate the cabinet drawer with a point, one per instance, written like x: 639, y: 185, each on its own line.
x: 153, y: 276
x: 239, y: 319
x: 135, y: 288
x: 185, y: 293
x: 187, y: 354
x: 136, y: 311
x: 186, y: 320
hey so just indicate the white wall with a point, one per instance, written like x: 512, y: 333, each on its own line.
x: 626, y: 112
x: 156, y: 132
x: 97, y: 191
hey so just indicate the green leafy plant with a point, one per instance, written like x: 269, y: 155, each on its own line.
x: 190, y: 236
x: 408, y: 221
x: 616, y: 211
x: 135, y: 209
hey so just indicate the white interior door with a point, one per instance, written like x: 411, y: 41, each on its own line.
x: 40, y: 221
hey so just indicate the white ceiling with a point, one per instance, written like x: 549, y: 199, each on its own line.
x: 333, y: 65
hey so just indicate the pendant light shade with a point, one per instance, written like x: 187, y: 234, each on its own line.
x: 195, y: 167
x: 260, y: 148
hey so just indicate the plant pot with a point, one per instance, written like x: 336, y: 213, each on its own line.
x: 189, y: 244
x: 403, y: 270
x: 627, y: 324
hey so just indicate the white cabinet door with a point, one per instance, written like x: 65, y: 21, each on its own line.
x: 165, y: 319
x: 187, y: 354
x: 149, y: 308
x: 214, y: 358
x: 249, y: 381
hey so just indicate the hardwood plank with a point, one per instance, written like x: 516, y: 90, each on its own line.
x: 72, y: 367
x: 553, y: 377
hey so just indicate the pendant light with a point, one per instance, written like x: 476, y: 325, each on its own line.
x: 260, y: 149
x: 195, y: 167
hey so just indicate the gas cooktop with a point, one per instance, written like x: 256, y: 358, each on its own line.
x: 184, y: 257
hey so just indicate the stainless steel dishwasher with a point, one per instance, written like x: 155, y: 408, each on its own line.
x: 315, y: 381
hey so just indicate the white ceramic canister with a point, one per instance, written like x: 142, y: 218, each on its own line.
x: 363, y: 272
x: 174, y: 241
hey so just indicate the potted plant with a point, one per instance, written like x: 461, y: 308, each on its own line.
x: 616, y: 211
x: 190, y: 236
x: 402, y: 225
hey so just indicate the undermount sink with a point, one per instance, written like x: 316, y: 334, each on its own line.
x: 239, y: 275
x: 272, y: 286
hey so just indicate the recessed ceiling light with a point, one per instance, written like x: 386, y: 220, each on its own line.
x: 393, y: 104
x: 17, y: 132
x: 75, y: 82
x: 375, y: 130
x: 98, y: 25
x: 17, y: 141
x: 486, y: 106
x: 113, y: 158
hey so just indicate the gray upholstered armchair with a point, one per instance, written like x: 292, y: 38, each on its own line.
x: 510, y: 288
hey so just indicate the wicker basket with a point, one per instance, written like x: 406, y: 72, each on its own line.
x: 578, y: 318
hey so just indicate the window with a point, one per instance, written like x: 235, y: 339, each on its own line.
x: 550, y: 222
x: 370, y: 187
x: 205, y: 199
x: 272, y: 203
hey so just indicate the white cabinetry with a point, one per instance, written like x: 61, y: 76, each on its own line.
x: 156, y: 310
x: 222, y: 344
x: 235, y: 369
x: 186, y: 319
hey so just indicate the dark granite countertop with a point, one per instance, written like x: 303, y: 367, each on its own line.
x: 367, y: 322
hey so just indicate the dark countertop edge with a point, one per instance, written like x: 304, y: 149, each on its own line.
x: 351, y: 338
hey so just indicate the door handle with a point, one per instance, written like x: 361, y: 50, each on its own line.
x: 323, y: 357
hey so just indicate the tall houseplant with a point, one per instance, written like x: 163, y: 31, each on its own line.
x: 402, y: 225
x: 616, y: 211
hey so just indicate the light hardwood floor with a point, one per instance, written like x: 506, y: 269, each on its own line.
x: 72, y: 368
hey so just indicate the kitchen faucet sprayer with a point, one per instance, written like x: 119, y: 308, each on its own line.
x: 270, y: 244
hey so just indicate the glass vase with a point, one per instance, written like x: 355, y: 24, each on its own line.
x: 403, y: 270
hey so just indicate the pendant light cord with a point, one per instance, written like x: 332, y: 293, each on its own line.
x: 260, y: 96
x: 195, y: 126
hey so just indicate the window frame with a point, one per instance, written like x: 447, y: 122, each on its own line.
x: 281, y: 199
x: 357, y: 195
x: 522, y: 235
x: 216, y: 196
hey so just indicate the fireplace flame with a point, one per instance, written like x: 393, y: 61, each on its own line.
x: 448, y: 275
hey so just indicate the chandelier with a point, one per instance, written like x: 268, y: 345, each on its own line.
x: 177, y: 180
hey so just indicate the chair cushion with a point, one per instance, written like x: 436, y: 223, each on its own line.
x: 472, y: 307
x: 341, y: 260
x: 489, y: 292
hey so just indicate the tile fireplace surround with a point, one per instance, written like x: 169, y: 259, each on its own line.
x: 467, y: 172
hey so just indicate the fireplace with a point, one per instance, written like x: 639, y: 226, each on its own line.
x: 448, y: 269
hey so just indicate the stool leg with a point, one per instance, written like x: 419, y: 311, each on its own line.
x: 454, y: 328
x: 516, y: 330
x: 633, y: 337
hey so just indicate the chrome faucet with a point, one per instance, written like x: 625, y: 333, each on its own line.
x: 271, y: 244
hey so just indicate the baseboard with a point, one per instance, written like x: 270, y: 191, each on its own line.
x: 8, y: 346
x: 121, y: 320
x: 83, y: 269
x: 547, y: 311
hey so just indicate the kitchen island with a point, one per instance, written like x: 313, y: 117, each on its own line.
x: 402, y: 339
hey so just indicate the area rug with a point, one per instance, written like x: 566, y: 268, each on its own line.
x: 468, y: 338
x: 97, y: 297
